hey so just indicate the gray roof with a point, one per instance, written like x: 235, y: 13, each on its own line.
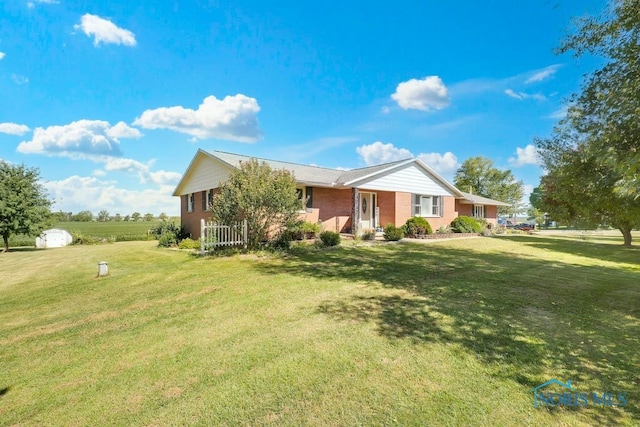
x: 308, y: 174
x: 479, y: 200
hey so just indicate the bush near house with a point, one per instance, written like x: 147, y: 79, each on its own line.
x: 392, y: 233
x: 301, y: 230
x: 465, y: 224
x: 330, y: 238
x: 416, y: 226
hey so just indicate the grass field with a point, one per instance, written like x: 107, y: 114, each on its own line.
x: 445, y: 333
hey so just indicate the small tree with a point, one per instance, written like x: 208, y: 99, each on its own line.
x: 103, y: 216
x: 135, y: 216
x: 117, y: 217
x: 126, y: 218
x: 148, y: 217
x: 163, y: 216
x: 83, y: 216
x: 266, y: 198
x: 24, y: 206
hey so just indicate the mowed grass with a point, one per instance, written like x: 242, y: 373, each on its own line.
x: 109, y: 228
x: 446, y: 333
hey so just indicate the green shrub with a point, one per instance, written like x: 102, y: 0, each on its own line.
x: 443, y: 229
x: 131, y: 237
x: 283, y: 241
x: 393, y: 233
x: 465, y: 224
x: 167, y: 239
x: 330, y: 238
x: 300, y: 230
x: 417, y: 226
x: 164, y: 227
x: 189, y: 243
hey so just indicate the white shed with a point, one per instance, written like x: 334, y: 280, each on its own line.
x: 53, y: 238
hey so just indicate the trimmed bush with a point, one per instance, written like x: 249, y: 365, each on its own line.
x: 417, y: 226
x: 165, y: 227
x: 167, y: 239
x: 393, y: 233
x: 465, y: 224
x: 303, y: 230
x: 189, y: 243
x: 330, y: 238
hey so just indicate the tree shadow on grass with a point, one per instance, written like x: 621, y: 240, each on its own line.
x: 586, y: 248
x: 4, y: 391
x: 528, y: 319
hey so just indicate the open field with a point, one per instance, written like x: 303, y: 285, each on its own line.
x: 447, y: 333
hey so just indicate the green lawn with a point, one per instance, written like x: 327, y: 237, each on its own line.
x: 445, y: 333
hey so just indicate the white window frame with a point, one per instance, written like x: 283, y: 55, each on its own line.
x: 478, y: 211
x: 209, y: 198
x: 427, y: 206
x: 190, y: 202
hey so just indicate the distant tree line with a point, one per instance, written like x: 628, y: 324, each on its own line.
x: 104, y: 216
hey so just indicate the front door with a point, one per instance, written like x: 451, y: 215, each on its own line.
x: 367, y: 210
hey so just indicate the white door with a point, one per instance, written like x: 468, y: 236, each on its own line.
x: 367, y: 210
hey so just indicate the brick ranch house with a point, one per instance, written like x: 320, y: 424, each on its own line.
x: 346, y: 201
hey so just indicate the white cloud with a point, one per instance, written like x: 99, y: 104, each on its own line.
x: 543, y: 74
x: 31, y: 4
x: 524, y: 95
x: 80, y: 139
x: 427, y: 94
x: 377, y: 153
x: 19, y: 80
x: 77, y: 193
x: 13, y: 128
x: 104, y: 31
x: 2, y: 55
x: 560, y: 113
x: 444, y: 164
x: 525, y: 156
x: 232, y: 118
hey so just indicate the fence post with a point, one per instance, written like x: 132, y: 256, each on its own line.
x: 245, y: 233
x: 202, y: 236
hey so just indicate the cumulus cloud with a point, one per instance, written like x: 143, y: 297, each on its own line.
x: 232, y: 118
x: 377, y: 153
x: 426, y: 94
x: 104, y: 31
x: 143, y: 171
x: 524, y: 95
x: 79, y: 139
x: 2, y: 55
x: 444, y: 164
x: 525, y: 156
x: 77, y: 193
x: 13, y: 128
x: 543, y: 74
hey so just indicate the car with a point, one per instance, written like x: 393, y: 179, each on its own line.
x: 524, y: 227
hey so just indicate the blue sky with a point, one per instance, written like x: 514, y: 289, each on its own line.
x: 111, y: 100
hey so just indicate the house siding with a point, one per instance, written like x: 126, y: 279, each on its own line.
x: 409, y: 178
x: 206, y: 173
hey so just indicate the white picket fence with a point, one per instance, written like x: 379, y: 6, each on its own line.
x: 214, y: 235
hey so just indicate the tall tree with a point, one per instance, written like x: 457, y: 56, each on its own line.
x: 607, y: 108
x: 266, y: 198
x: 24, y: 206
x: 478, y: 175
x: 593, y: 156
x: 103, y: 216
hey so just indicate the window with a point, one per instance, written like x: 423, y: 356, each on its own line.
x: 305, y: 195
x: 478, y: 211
x: 207, y: 200
x: 427, y: 205
x: 190, y: 200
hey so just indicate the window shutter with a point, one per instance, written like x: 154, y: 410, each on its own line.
x: 309, y: 191
x: 441, y: 204
x: 204, y: 200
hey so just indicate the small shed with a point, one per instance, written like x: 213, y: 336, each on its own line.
x: 53, y: 238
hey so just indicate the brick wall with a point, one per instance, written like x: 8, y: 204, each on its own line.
x: 191, y: 220
x: 332, y: 207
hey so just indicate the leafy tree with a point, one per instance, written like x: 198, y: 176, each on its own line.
x: 607, y: 107
x: 163, y: 216
x: 266, y: 198
x: 117, y: 217
x: 24, y: 206
x: 535, y: 198
x: 593, y: 156
x: 135, y: 216
x: 478, y: 175
x: 148, y: 217
x: 126, y: 218
x: 103, y: 216
x: 83, y: 216
x: 61, y: 216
